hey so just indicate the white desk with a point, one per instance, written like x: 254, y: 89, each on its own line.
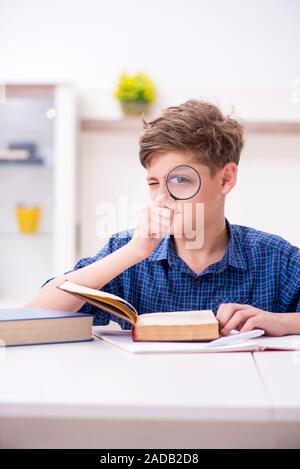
x: 95, y: 395
x: 280, y: 373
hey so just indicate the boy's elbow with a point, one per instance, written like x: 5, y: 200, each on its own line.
x: 38, y: 300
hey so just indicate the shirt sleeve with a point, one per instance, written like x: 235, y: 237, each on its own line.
x: 289, y: 294
x: 102, y: 318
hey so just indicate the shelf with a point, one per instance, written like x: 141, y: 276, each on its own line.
x: 29, y: 90
x: 132, y: 124
x: 28, y: 162
x: 18, y: 234
x: 273, y: 127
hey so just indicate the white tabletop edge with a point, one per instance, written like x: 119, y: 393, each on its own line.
x: 156, y: 413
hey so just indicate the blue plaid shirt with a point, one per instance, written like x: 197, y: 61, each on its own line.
x: 258, y: 269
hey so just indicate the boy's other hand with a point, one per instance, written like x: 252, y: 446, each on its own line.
x: 244, y: 318
x: 154, y: 222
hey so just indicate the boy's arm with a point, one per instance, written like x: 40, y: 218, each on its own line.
x: 286, y: 320
x: 153, y: 224
x: 95, y: 275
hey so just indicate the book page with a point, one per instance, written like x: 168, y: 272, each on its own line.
x: 177, y: 318
x: 287, y: 342
x: 107, y: 301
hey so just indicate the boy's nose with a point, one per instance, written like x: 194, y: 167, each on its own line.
x: 164, y: 191
x: 167, y: 200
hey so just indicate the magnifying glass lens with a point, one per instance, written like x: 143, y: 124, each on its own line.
x: 183, y: 182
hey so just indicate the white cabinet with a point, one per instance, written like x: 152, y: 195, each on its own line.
x: 43, y: 117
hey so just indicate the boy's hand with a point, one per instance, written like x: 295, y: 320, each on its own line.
x: 245, y: 318
x: 154, y: 222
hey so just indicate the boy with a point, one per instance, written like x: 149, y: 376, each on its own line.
x: 249, y: 278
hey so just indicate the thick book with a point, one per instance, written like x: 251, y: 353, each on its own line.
x: 158, y: 326
x: 29, y: 326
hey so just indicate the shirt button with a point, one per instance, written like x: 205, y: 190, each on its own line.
x: 197, y: 282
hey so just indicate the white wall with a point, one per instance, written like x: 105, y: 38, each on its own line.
x: 241, y: 54
x: 266, y: 196
x: 109, y: 172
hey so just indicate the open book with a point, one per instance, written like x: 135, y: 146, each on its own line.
x: 161, y: 326
x: 122, y: 340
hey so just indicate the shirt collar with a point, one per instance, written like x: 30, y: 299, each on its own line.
x: 233, y: 256
x: 164, y: 250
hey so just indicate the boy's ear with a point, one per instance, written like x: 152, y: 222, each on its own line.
x: 228, y: 177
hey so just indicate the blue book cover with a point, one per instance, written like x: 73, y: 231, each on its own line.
x: 25, y: 314
x: 29, y: 314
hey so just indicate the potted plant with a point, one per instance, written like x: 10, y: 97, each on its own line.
x: 135, y: 93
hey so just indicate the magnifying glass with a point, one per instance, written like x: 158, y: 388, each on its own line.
x: 183, y: 182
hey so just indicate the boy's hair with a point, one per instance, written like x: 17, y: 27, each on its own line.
x: 198, y: 128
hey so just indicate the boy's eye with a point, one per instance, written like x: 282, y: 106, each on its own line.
x: 179, y: 180
x: 152, y: 183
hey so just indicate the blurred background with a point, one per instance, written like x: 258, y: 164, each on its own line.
x: 76, y: 78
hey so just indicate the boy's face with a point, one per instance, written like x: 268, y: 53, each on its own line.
x: 196, y: 212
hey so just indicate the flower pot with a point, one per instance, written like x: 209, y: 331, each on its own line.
x: 28, y: 219
x: 135, y: 108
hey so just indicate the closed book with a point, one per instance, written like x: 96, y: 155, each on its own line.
x: 28, y: 326
x: 153, y: 326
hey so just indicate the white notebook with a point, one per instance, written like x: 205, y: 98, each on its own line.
x: 123, y: 340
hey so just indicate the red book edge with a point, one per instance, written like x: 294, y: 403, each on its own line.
x: 133, y: 333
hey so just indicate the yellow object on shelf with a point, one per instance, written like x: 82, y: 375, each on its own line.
x: 28, y: 218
